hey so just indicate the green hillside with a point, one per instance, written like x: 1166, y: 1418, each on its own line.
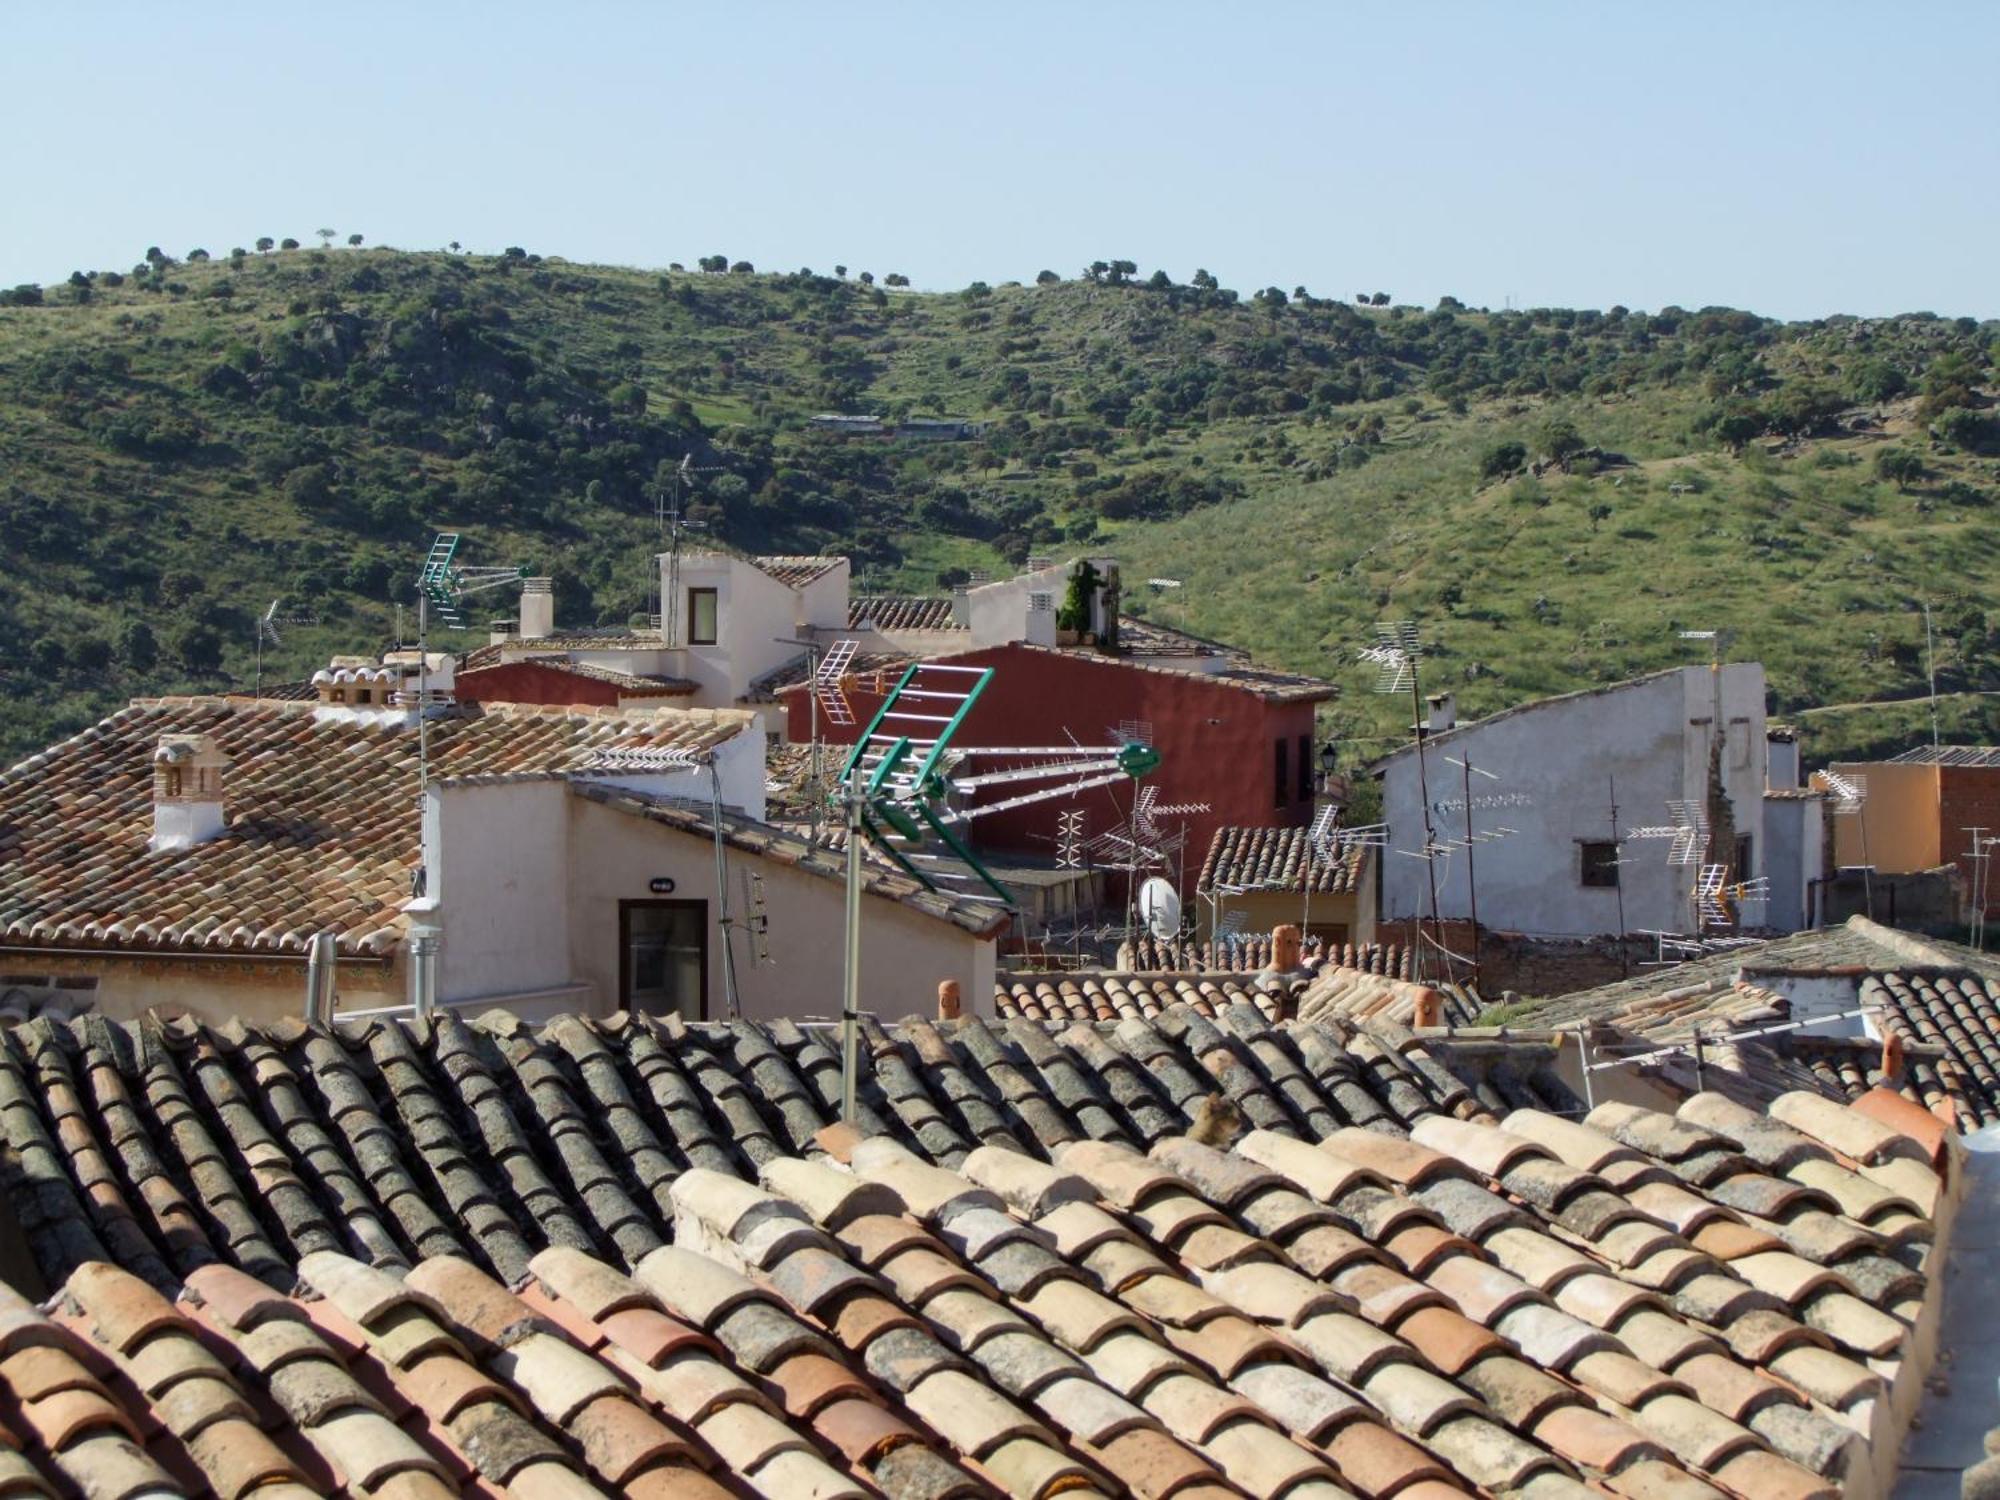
x: 1551, y: 494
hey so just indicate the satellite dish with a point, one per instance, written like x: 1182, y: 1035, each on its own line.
x: 1160, y: 909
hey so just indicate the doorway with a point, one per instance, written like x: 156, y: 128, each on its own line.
x: 663, y: 958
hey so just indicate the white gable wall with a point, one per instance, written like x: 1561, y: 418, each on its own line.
x: 1564, y: 755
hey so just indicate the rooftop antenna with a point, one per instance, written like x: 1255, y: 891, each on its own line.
x: 758, y: 923
x: 1618, y: 882
x: 1467, y: 803
x: 443, y: 585
x: 1850, y: 800
x: 1397, y: 656
x: 673, y: 523
x: 1981, y: 856
x: 267, y: 631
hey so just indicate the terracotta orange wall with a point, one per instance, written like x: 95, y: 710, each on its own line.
x: 1901, y: 818
x: 524, y: 682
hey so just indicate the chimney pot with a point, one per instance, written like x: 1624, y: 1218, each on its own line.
x: 538, y: 608
x: 949, y: 1005
x: 1443, y: 712
x: 187, y: 791
x: 1892, y: 1059
x: 1429, y: 1008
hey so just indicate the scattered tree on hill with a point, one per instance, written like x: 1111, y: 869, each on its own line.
x: 197, y: 255
x: 354, y: 240
x: 326, y: 236
x: 1046, y: 278
x: 1900, y: 466
x: 264, y: 244
x: 895, y: 278
x: 136, y: 646
x: 1599, y: 513
x: 841, y: 272
x: 1964, y: 429
x: 1503, y: 459
x: 1202, y: 280
x: 742, y: 268
x: 1877, y: 380
x: 1558, y: 440
x: 288, y: 243
x: 867, y: 278
x: 199, y: 649
x: 1095, y: 270
x: 1122, y: 271
x: 1380, y: 299
x: 238, y: 255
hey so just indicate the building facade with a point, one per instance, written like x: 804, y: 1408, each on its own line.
x: 1240, y: 743
x: 1549, y: 773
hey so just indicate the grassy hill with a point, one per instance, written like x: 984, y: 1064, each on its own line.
x: 1551, y: 494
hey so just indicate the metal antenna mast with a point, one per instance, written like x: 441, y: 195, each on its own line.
x: 1395, y: 655
x: 1618, y: 883
x: 672, y: 524
x: 442, y: 586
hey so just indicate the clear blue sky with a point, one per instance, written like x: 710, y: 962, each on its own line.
x: 1796, y: 159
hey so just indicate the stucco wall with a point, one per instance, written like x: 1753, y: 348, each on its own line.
x: 258, y: 990
x: 1651, y: 737
x: 1896, y: 830
x: 753, y: 610
x: 496, y: 879
x: 613, y: 856
x: 1795, y: 838
x: 1263, y: 910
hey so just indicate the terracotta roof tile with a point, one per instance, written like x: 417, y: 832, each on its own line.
x: 1276, y: 1318
x: 81, y: 811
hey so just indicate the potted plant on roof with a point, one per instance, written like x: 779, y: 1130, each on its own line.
x: 1073, y: 619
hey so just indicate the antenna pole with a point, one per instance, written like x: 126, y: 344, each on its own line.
x: 1430, y: 835
x: 1618, y: 884
x: 850, y: 1000
x: 1471, y: 880
x: 723, y: 918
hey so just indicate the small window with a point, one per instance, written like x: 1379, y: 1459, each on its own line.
x: 1745, y: 870
x: 1284, y: 776
x: 702, y: 612
x: 1599, y: 864
x: 1305, y: 768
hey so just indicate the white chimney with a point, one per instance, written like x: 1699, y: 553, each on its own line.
x: 538, y: 608
x: 187, y: 791
x: 1443, y: 712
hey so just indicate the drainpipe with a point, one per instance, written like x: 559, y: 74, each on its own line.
x: 319, y: 980
x: 423, y: 972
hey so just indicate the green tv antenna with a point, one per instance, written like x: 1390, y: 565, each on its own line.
x: 443, y: 585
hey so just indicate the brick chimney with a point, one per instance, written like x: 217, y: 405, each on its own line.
x: 1443, y: 713
x: 538, y: 608
x: 187, y: 791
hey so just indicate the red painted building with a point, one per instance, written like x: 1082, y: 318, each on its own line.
x: 570, y: 684
x: 1241, y: 739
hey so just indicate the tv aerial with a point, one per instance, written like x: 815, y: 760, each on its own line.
x: 673, y: 524
x: 267, y: 634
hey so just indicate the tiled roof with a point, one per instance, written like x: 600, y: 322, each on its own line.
x: 795, y: 571
x: 1137, y: 637
x: 1959, y: 1013
x: 302, y: 691
x: 785, y: 847
x: 1251, y: 952
x: 631, y: 684
x: 1974, y: 756
x: 320, y: 832
x: 1278, y: 859
x: 630, y: 1257
x: 900, y: 612
x: 1939, y: 996
x: 885, y: 665
x: 1273, y: 686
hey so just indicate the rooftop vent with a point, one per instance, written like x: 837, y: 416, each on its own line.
x: 538, y: 608
x: 187, y: 791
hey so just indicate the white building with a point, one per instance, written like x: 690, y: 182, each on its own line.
x: 1550, y: 772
